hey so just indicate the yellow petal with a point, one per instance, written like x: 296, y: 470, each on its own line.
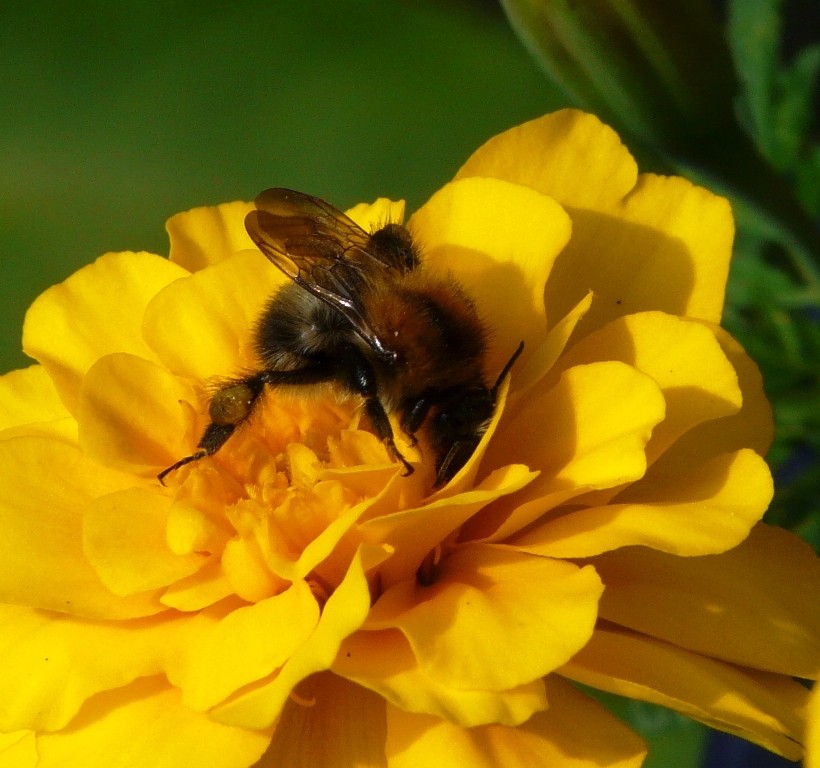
x: 28, y: 397
x: 575, y: 732
x: 52, y: 663
x: 813, y: 730
x: 759, y: 707
x: 500, y: 239
x: 208, y: 235
x: 751, y: 427
x: 569, y: 155
x: 330, y: 724
x: 129, y: 414
x: 206, y: 587
x: 708, y: 510
x: 754, y: 605
x: 96, y: 311
x: 125, y: 540
x: 384, y: 662
x: 261, y: 704
x: 372, y: 216
x: 666, y: 247
x: 544, y: 357
x: 588, y: 431
x: 487, y: 604
x: 43, y: 563
x: 413, y: 533
x: 247, y: 644
x: 146, y: 724
x: 202, y: 327
x: 682, y: 356
x: 18, y: 749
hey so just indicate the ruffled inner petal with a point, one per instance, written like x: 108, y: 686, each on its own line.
x: 683, y: 357
x: 329, y: 723
x: 259, y: 705
x: 383, y: 661
x: 488, y: 603
x: 125, y: 538
x: 226, y: 652
x: 587, y: 431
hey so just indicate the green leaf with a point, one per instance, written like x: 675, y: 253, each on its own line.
x: 753, y: 31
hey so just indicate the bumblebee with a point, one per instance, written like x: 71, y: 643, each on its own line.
x: 363, y: 313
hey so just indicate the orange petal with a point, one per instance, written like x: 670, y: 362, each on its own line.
x: 329, y: 724
x: 759, y: 707
x: 46, y: 487
x: 96, y: 311
x: 500, y: 240
x: 208, y: 234
x: 485, y: 604
x: 754, y: 605
x: 708, y: 510
x: 569, y: 155
x: 145, y: 723
x: 129, y: 414
x: 575, y: 732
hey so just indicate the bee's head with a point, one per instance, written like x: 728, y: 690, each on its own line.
x: 461, y: 420
x: 457, y: 427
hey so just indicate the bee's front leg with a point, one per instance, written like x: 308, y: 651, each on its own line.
x: 361, y: 379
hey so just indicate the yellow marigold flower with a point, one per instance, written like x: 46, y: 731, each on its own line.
x: 294, y: 598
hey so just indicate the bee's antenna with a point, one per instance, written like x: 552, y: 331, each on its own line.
x: 506, y: 369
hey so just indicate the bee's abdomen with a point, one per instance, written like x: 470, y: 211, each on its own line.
x: 297, y: 327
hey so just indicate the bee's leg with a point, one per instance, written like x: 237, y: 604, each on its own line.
x: 415, y: 412
x: 234, y: 402
x: 361, y: 379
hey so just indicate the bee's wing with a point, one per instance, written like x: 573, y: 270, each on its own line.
x: 321, y: 250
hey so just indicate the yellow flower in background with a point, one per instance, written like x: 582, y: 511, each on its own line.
x: 295, y: 596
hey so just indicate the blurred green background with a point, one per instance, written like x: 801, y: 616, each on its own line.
x: 118, y: 115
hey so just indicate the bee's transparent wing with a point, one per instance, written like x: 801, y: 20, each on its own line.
x: 321, y: 250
